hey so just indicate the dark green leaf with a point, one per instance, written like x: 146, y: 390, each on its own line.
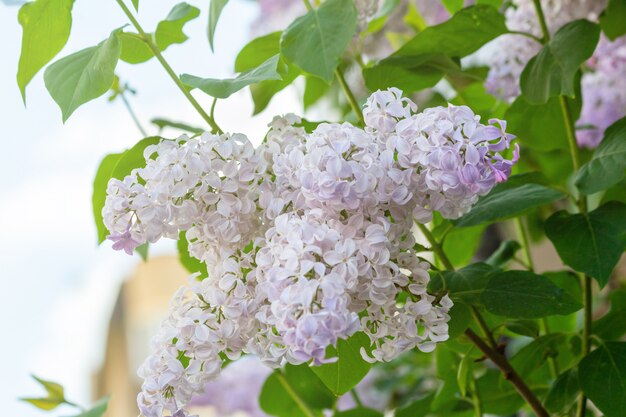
x: 465, y: 284
x: 608, y: 163
x: 315, y: 42
x: 45, y: 29
x: 502, y: 399
x: 275, y: 398
x: 612, y: 326
x: 215, y: 10
x: 532, y: 356
x: 512, y: 198
x: 45, y: 404
x: 613, y: 18
x: 591, y: 242
x: 359, y: 412
x: 460, y: 318
x: 224, y: 88
x: 505, y: 252
x: 83, y: 76
x: 528, y: 328
x: 419, y: 407
x: 446, y: 396
x: 344, y: 374
x: 525, y: 295
x: 602, y: 377
x: 563, y: 392
x: 553, y: 71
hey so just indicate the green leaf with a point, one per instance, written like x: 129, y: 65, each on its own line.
x: 563, y: 392
x: 83, y: 76
x: 45, y: 404
x: 512, y: 198
x: 314, y: 90
x: 612, y: 326
x: 190, y: 263
x: 477, y: 24
x: 525, y: 295
x: 552, y: 71
x: 97, y: 410
x: 359, y: 412
x: 540, y: 126
x: 46, y: 27
x: 463, y: 374
x: 263, y: 92
x: 606, y: 167
x: 602, y: 377
x: 613, y: 18
x: 502, y: 399
x: 54, y: 389
x: 116, y: 165
x: 460, y: 318
x: 316, y: 41
x: 350, y: 368
x: 276, y: 398
x: 532, y: 356
x: 135, y: 4
x: 590, y: 242
x: 465, y: 284
x: 168, y: 32
x: 505, y: 252
x: 224, y: 88
x: 461, y: 244
x: 142, y: 251
x: 163, y: 123
x: 528, y: 328
x: 215, y: 10
x: 419, y: 407
x: 453, y: 6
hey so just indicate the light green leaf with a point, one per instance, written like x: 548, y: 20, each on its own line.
x: 46, y: 27
x: 314, y: 90
x: 602, y: 377
x: 463, y: 374
x: 552, y: 72
x: 461, y: 244
x: 163, y: 123
x: 54, y: 389
x: 168, y: 32
x: 215, y: 10
x: 461, y: 35
x: 359, y: 412
x: 135, y: 4
x: 516, y: 196
x: 142, y: 251
x: 224, y: 88
x: 190, y: 263
x: 350, y: 368
x: 116, y: 165
x: 453, y: 6
x: 606, y: 167
x: 591, y: 242
x: 45, y: 404
x: 613, y: 18
x: 563, y: 392
x: 276, y: 395
x: 525, y: 295
x: 465, y: 284
x: 83, y: 76
x: 316, y: 41
x: 97, y: 410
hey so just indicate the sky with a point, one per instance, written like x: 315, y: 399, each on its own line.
x: 58, y: 287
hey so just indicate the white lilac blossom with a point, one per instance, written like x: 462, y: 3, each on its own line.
x: 603, y: 81
x: 307, y: 239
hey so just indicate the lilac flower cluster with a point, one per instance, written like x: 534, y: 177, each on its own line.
x: 307, y: 239
x: 603, y: 82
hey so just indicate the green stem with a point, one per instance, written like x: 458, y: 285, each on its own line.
x: 356, y: 398
x: 436, y: 247
x: 132, y: 114
x: 351, y: 99
x: 476, y: 401
x: 294, y: 395
x: 528, y: 35
x: 157, y: 53
x: 484, y: 328
x: 542, y: 21
x: 587, y: 317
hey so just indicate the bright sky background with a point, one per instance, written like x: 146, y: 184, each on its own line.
x: 57, y: 286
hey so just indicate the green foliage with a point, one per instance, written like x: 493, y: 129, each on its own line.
x: 514, y: 197
x: 563, y: 392
x: 190, y: 263
x: 553, y: 71
x: 505, y: 252
x: 461, y: 244
x: 135, y: 4
x: 612, y: 326
x: 215, y: 11
x: 315, y: 42
x: 281, y: 387
x: 343, y: 375
x: 45, y: 29
x: 97, y: 410
x: 269, y: 70
x: 525, y: 295
x: 116, y: 165
x: 169, y: 31
x: 359, y: 412
x: 83, y: 76
x: 465, y: 284
x: 55, y: 397
x: 613, y: 18
x: 590, y: 242
x: 606, y: 167
x: 602, y: 377
x: 163, y: 123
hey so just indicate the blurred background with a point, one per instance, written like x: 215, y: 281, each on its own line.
x: 71, y: 311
